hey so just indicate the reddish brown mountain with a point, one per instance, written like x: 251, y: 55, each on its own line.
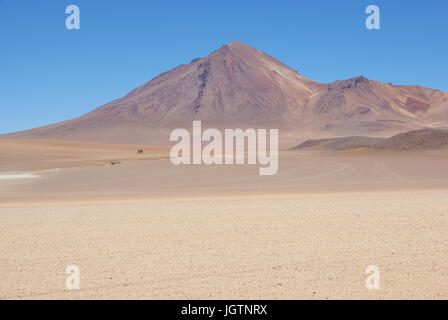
x: 239, y: 86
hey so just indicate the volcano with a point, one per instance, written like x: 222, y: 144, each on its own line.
x: 238, y: 86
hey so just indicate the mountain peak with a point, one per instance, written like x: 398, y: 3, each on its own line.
x: 349, y: 83
x: 237, y: 48
x: 238, y: 44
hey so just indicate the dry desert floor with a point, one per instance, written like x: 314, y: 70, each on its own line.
x: 145, y: 229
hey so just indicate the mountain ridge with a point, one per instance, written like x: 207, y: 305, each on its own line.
x: 415, y: 140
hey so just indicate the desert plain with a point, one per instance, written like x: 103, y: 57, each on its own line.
x: 139, y: 227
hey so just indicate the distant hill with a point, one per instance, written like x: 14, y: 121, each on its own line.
x: 336, y: 144
x: 416, y: 140
x: 426, y: 139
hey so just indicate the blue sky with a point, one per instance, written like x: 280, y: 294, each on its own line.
x: 50, y: 74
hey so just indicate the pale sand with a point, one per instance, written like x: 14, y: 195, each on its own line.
x: 315, y: 246
x: 150, y: 230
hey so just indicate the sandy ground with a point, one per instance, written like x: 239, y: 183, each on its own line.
x: 146, y: 229
x: 249, y: 248
x: 20, y: 155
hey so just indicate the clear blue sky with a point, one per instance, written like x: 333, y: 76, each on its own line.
x: 49, y: 74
